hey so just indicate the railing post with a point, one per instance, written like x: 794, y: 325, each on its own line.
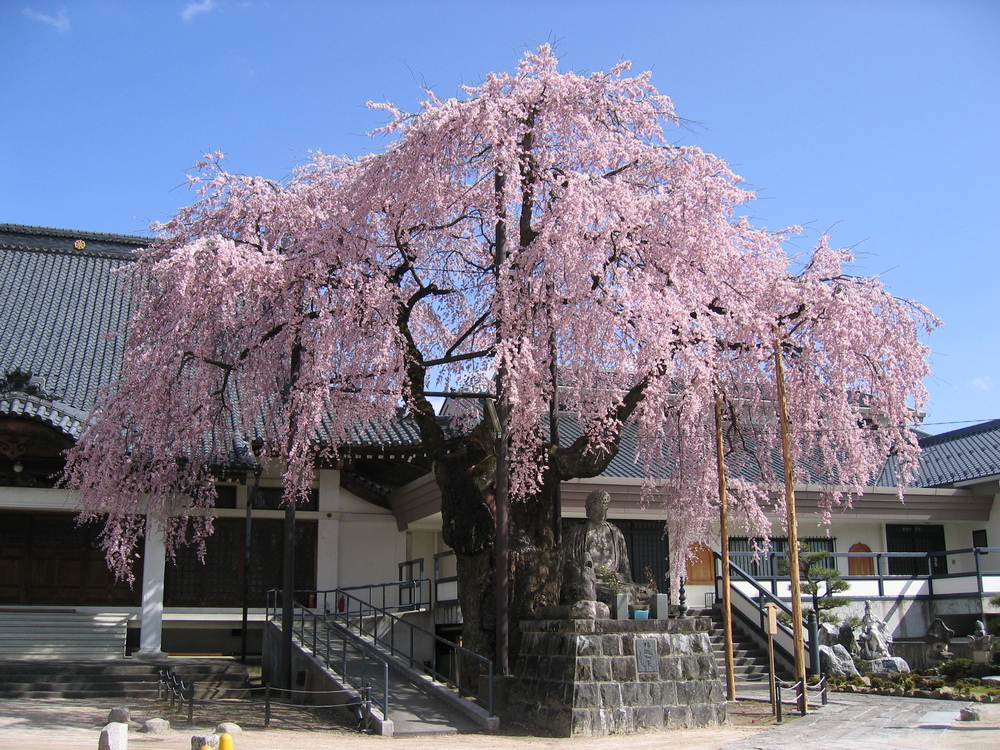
x: 267, y: 704
x: 813, y: 643
x: 489, y: 672
x: 878, y: 571
x: 385, y: 690
x: 366, y: 693
x: 979, y: 572
x: 772, y: 572
x: 191, y: 703
x: 777, y: 703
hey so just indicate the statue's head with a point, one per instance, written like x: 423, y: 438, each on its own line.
x: 597, y: 506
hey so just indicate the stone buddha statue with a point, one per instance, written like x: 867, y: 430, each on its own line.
x: 595, y: 558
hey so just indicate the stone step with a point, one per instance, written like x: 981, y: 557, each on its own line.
x: 68, y: 679
x: 61, y: 634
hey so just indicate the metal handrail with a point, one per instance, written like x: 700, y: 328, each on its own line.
x: 879, y: 559
x: 353, y: 612
x: 440, y: 580
x: 333, y: 631
x: 760, y: 601
x: 416, y: 590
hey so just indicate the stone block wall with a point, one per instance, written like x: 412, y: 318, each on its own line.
x: 597, y: 677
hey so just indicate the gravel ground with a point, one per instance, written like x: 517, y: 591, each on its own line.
x: 64, y: 724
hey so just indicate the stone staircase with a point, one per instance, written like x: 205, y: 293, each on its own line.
x: 213, y: 678
x: 749, y: 660
x: 61, y: 634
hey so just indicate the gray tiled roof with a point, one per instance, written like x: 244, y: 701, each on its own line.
x: 58, y: 303
x: 961, y: 455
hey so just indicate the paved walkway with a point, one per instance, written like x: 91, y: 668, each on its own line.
x: 876, y: 722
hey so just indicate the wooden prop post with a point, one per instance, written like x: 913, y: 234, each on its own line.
x: 798, y: 634
x: 772, y: 629
x: 727, y: 602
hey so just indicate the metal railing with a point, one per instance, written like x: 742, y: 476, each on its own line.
x: 927, y: 573
x: 446, y: 587
x: 350, y: 657
x: 396, y: 596
x: 751, y: 608
x: 802, y: 691
x: 177, y: 691
x: 402, y: 639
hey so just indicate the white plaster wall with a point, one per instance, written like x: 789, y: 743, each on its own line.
x: 370, y: 549
x: 991, y: 561
x: 424, y: 544
x: 357, y: 542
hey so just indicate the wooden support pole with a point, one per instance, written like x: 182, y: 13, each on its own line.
x: 727, y: 602
x: 798, y: 636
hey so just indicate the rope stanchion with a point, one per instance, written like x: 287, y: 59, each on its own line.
x: 179, y: 694
x: 267, y: 705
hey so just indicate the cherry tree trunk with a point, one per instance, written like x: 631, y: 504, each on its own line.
x: 467, y: 482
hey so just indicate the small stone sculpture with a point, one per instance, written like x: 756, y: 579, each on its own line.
x: 847, y: 638
x: 938, y: 637
x: 981, y: 640
x: 874, y: 637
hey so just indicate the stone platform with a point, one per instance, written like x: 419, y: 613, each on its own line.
x: 597, y: 677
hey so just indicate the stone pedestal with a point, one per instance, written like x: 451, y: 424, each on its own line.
x: 598, y: 677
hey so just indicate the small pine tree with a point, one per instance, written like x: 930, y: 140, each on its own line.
x: 820, y: 582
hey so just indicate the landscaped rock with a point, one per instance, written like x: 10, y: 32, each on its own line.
x: 888, y: 665
x: 199, y: 741
x: 829, y: 634
x: 971, y: 713
x: 119, y: 715
x: 837, y: 662
x: 991, y: 679
x: 114, y: 736
x: 228, y: 727
x: 155, y: 726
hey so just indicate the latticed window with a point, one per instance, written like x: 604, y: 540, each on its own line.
x: 219, y: 581
x: 50, y: 559
x: 271, y: 498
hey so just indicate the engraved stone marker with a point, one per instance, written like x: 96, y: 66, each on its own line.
x: 645, y: 655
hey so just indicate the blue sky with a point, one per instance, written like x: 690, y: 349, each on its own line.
x: 876, y: 120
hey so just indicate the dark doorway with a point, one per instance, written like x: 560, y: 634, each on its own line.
x: 916, y: 538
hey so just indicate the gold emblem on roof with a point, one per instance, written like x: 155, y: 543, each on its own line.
x: 79, y: 244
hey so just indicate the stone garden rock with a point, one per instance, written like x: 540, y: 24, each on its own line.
x: 120, y: 715
x: 114, y: 736
x: 888, y: 665
x: 836, y: 661
x: 156, y: 726
x: 829, y: 634
x: 971, y: 713
x: 198, y: 741
x: 228, y: 727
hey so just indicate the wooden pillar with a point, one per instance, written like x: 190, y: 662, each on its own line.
x: 798, y: 636
x: 727, y: 601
